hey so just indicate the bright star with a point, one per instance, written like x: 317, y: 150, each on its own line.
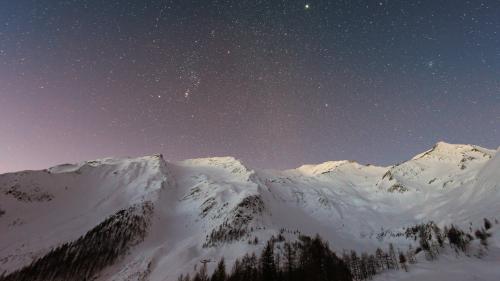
x: 307, y: 6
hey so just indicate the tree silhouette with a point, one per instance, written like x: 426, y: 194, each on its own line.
x: 97, y: 249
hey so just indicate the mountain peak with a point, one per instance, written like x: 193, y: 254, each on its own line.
x: 227, y: 163
x: 214, y: 161
x: 64, y: 168
x: 443, y: 149
x: 325, y: 167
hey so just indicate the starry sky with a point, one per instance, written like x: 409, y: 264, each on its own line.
x: 274, y: 83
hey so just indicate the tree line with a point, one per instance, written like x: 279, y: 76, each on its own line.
x: 97, y: 249
x: 236, y: 226
x: 305, y: 259
x: 311, y: 258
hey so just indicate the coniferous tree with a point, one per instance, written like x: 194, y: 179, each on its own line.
x: 487, y: 224
x: 482, y: 235
x: 411, y: 255
x: 457, y: 238
x: 364, y: 266
x: 289, y: 262
x: 438, y: 234
x: 392, y: 256
x: 379, y: 257
x: 346, y: 258
x: 371, y: 266
x: 402, y: 261
x: 201, y: 275
x: 267, y: 263
x: 237, y: 271
x: 355, y: 266
x: 220, y: 272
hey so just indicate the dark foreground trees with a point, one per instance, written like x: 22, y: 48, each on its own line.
x: 306, y: 259
x: 311, y: 258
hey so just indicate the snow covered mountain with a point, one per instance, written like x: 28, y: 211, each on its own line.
x: 204, y: 209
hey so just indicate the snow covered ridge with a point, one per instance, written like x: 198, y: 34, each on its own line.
x: 205, y: 209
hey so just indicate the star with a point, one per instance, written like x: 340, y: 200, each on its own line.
x: 236, y: 70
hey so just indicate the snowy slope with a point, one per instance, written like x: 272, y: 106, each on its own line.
x: 213, y: 207
x: 44, y: 208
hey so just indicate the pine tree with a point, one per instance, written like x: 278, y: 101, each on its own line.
x: 289, y: 261
x: 267, y: 263
x: 355, y: 266
x: 220, y: 272
x: 487, y: 224
x: 379, y: 258
x: 201, y: 275
x: 347, y: 260
x: 457, y: 239
x: 364, y: 266
x: 402, y: 261
x: 237, y: 271
x: 411, y: 255
x: 482, y: 235
x: 392, y: 256
x: 371, y: 266
x: 438, y: 234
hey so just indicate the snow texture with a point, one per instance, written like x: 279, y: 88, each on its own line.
x: 214, y: 207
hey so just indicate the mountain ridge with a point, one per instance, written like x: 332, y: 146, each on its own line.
x: 215, y: 207
x: 330, y: 164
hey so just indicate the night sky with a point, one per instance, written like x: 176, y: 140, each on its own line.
x: 274, y: 83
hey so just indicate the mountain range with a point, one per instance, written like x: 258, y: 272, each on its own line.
x: 164, y: 217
